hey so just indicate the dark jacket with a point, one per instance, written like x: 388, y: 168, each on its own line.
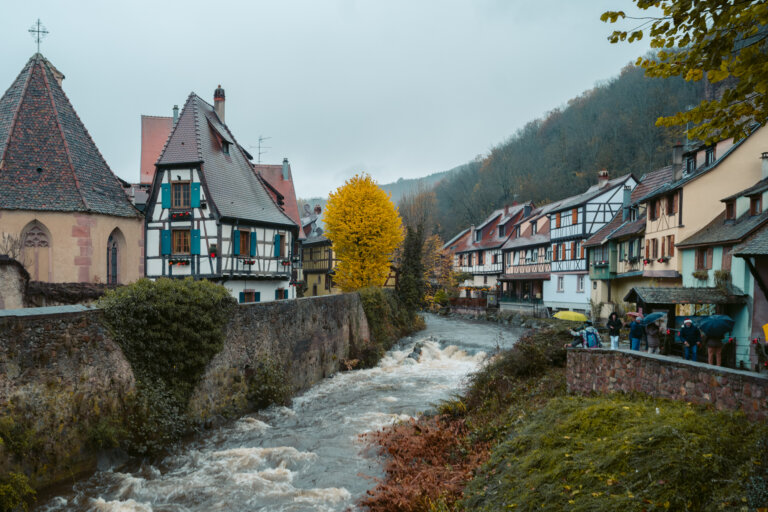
x: 690, y: 334
x: 614, y: 327
x: 636, y: 330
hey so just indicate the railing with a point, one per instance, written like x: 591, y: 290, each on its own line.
x: 464, y: 302
x: 317, y: 265
x: 524, y: 298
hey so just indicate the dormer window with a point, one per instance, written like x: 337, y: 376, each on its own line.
x: 534, y: 228
x: 501, y: 231
x: 755, y: 205
x: 690, y: 164
x: 225, y: 147
x: 710, y: 156
x: 730, y: 210
x: 478, y: 235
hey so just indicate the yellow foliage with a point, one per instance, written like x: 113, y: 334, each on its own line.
x: 364, y: 227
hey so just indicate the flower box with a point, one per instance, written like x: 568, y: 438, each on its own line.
x: 181, y: 215
x: 179, y: 261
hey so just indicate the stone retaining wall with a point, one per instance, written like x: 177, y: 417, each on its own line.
x: 607, y: 371
x: 64, y: 380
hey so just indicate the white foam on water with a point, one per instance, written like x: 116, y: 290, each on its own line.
x: 390, y: 399
x: 249, y: 424
x: 129, y: 484
x: 100, y: 505
x: 329, y: 495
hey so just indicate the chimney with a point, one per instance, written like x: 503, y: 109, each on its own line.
x: 175, y: 114
x: 218, y: 103
x: 286, y: 169
x: 677, y: 161
x: 506, y: 209
x: 472, y: 234
x: 764, y: 156
x: 625, y: 203
x: 602, y: 178
x: 318, y: 209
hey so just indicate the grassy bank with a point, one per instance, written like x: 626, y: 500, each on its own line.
x: 514, y: 440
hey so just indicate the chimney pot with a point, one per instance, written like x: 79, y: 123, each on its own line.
x: 218, y: 103
x: 625, y: 203
x: 286, y: 169
x: 602, y: 177
x: 764, y: 156
x: 175, y: 114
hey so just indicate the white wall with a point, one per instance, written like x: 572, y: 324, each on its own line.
x: 569, y: 298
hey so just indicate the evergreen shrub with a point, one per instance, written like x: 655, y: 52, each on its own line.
x: 268, y: 384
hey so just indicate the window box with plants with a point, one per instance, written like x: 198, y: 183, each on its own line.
x: 600, y: 264
x: 663, y: 259
x: 701, y: 275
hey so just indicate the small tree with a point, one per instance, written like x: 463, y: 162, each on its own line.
x: 365, y: 228
x: 410, y: 287
x: 12, y: 246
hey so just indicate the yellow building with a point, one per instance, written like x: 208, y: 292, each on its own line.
x: 676, y: 211
x: 57, y: 194
x: 319, y: 264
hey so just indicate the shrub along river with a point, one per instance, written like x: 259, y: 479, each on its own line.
x: 308, y: 457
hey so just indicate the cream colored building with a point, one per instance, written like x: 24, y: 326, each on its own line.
x: 57, y: 194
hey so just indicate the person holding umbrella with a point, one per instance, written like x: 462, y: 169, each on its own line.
x: 636, y: 332
x: 714, y: 328
x: 691, y: 337
x: 652, y: 332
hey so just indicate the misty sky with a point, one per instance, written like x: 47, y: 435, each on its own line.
x: 396, y: 88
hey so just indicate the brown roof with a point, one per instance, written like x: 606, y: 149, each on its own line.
x: 679, y: 295
x: 721, y: 231
x: 154, y: 134
x: 648, y: 183
x: 273, y: 174
x: 48, y: 161
x: 756, y: 246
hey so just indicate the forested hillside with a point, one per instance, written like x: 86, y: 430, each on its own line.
x: 611, y: 126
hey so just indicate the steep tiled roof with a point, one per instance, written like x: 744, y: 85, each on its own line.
x: 237, y: 191
x: 757, y: 246
x: 628, y: 228
x: 491, y: 238
x: 591, y: 193
x: 453, y: 240
x: 720, y: 231
x: 48, y: 161
x: 527, y: 241
x: 648, y: 183
x: 273, y: 174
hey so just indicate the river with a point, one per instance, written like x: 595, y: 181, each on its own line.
x: 308, y: 457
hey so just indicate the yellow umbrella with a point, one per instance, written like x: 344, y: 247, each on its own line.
x: 570, y: 315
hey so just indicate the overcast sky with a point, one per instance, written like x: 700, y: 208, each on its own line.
x: 396, y: 88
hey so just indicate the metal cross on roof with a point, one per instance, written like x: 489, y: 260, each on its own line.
x: 38, y: 32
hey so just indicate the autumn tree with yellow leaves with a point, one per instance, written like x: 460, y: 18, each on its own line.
x: 364, y: 227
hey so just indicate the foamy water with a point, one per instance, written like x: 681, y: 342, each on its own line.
x: 307, y: 457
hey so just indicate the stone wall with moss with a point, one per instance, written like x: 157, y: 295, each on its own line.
x: 606, y: 371
x: 277, y: 349
x: 62, y: 379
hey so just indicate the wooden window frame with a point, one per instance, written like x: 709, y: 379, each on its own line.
x: 671, y: 245
x: 501, y: 231
x: 730, y: 210
x: 176, y: 185
x: 560, y: 284
x: 558, y: 220
x: 727, y: 258
x: 755, y: 205
x: 245, y: 243
x: 178, y: 242
x: 575, y: 217
x: 655, y: 248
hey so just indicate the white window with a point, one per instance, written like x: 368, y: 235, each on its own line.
x: 580, y: 284
x: 560, y: 283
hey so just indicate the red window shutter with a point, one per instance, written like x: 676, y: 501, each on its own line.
x: 573, y: 250
x: 575, y: 216
x: 671, y: 243
x: 557, y: 220
x: 726, y: 258
x: 647, y: 249
x: 709, y: 257
x: 554, y: 252
x: 663, y: 246
x: 581, y: 252
x: 675, y: 202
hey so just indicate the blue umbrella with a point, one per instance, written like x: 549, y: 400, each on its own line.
x: 649, y: 319
x: 716, y: 326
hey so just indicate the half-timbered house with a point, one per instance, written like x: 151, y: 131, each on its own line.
x: 480, y: 254
x: 210, y: 215
x: 573, y: 221
x: 614, y: 253
x: 526, y: 260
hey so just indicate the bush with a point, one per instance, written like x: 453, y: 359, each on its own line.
x: 155, y: 419
x: 15, y: 492
x: 169, y: 329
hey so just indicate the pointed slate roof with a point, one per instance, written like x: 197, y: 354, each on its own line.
x: 273, y: 174
x: 236, y: 190
x: 48, y: 161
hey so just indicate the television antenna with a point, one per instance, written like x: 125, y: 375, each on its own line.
x: 260, y: 149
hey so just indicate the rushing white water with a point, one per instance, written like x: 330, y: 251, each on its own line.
x: 308, y: 457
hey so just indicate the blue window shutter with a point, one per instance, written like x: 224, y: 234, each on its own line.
x: 253, y: 244
x: 194, y: 241
x: 236, y: 242
x: 257, y: 297
x: 277, y: 245
x: 242, y: 297
x: 277, y: 293
x: 165, y: 241
x: 194, y: 198
x: 165, y: 190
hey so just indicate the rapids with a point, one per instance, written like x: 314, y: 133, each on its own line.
x: 308, y: 457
